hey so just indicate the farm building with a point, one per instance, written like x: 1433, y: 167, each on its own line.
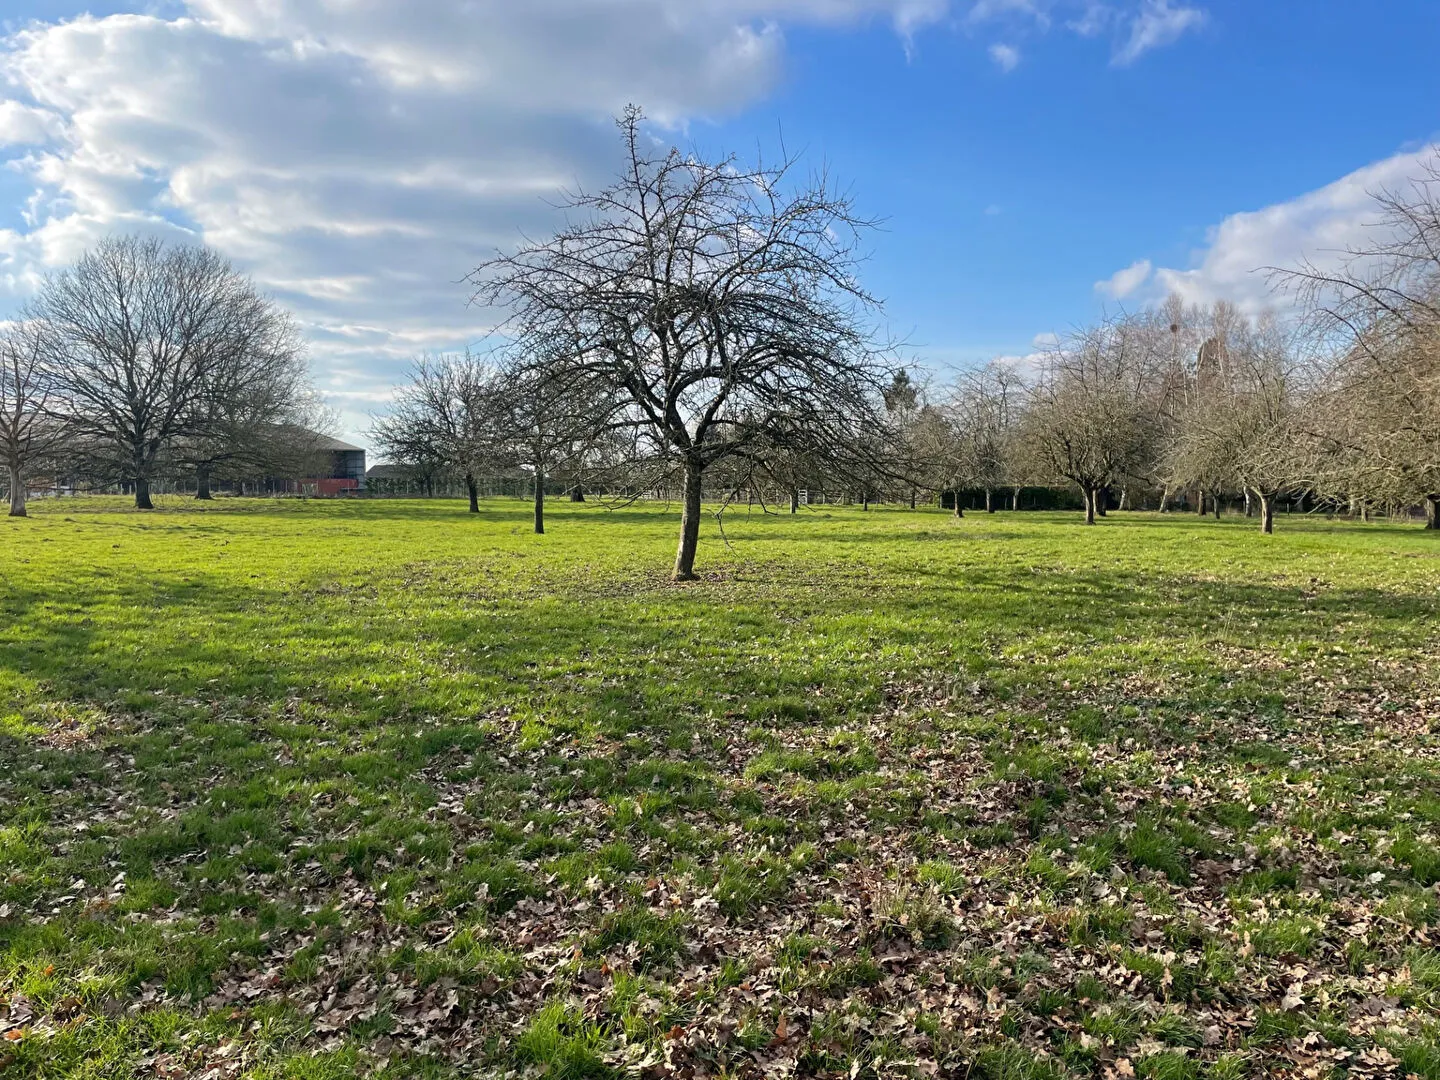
x: 339, y: 466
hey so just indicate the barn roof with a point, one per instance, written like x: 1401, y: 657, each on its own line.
x: 325, y: 442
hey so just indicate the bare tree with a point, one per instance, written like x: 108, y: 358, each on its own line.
x: 985, y: 410
x: 905, y: 409
x: 28, y: 433
x: 254, y: 405
x: 137, y: 334
x: 1379, y: 310
x: 1375, y: 427
x: 450, y: 412
x: 551, y: 426
x: 719, y: 303
x: 1086, y: 421
x: 1245, y: 430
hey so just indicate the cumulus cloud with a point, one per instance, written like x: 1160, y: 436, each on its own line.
x: 359, y: 158
x: 21, y: 125
x: 1125, y: 282
x: 1157, y: 24
x: 1320, y: 226
x: 1006, y: 57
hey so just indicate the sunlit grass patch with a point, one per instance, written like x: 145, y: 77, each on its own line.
x: 344, y: 782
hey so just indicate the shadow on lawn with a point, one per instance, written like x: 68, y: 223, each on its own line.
x: 434, y: 651
x: 213, y: 685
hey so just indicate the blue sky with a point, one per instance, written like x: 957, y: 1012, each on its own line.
x: 358, y: 158
x: 1085, y: 167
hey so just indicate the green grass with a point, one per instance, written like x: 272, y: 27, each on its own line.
x: 312, y: 789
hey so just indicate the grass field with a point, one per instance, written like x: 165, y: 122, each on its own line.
x: 302, y: 789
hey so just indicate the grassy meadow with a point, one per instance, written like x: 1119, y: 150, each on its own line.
x: 318, y: 789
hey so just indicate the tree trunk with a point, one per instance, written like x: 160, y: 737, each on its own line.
x: 689, y: 523
x: 577, y: 493
x: 989, y: 505
x: 1015, y: 499
x: 1165, y: 499
x: 1249, y: 506
x: 914, y: 497
x: 17, y: 492
x: 794, y: 500
x: 1089, y: 495
x: 1124, y: 498
x: 474, y: 489
x: 1200, y: 502
x: 1267, y: 512
x: 142, y: 494
x: 865, y: 499
x: 1432, y: 511
x: 1215, y: 505
x: 539, y: 502
x: 1101, y: 500
x: 202, y: 482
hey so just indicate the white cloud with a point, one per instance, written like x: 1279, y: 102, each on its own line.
x: 1046, y: 340
x: 1319, y: 226
x: 21, y: 125
x: 1136, y: 26
x: 1157, y: 24
x: 1093, y: 21
x: 1124, y: 282
x: 986, y: 10
x: 1006, y: 57
x: 358, y: 158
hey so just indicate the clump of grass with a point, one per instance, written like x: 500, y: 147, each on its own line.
x: 563, y: 1044
x: 745, y: 883
x: 1168, y: 1065
x: 1420, y: 857
x: 1151, y: 846
x: 919, y: 914
x: 1090, y: 924
x: 945, y: 877
x: 1015, y: 1062
x: 1283, y: 935
x: 653, y: 940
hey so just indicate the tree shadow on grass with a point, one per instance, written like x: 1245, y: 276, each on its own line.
x: 380, y: 658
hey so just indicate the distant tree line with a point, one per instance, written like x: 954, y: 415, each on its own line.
x: 698, y: 329
x: 145, y: 361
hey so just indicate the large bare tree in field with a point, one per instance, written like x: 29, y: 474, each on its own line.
x: 28, y: 433
x: 141, y: 337
x: 1087, y: 419
x: 1380, y: 311
x: 719, y: 303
